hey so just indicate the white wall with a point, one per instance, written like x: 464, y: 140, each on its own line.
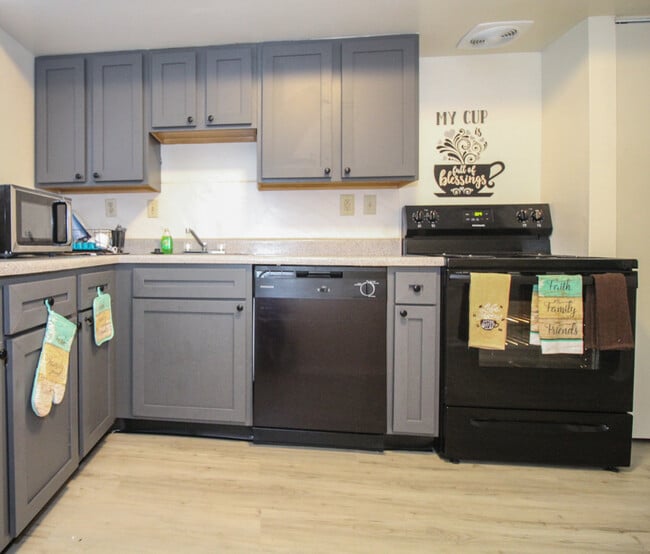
x: 579, y: 138
x: 213, y: 187
x: 508, y: 88
x: 16, y: 112
x: 633, y: 193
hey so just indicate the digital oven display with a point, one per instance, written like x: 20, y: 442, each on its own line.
x: 478, y: 216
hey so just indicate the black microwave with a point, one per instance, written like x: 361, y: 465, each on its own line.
x: 33, y: 222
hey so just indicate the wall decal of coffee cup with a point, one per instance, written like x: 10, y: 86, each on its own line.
x: 464, y: 176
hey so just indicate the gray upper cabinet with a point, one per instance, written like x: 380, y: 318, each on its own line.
x: 340, y: 111
x: 60, y: 120
x: 202, y: 89
x: 379, y: 83
x: 90, y: 124
x: 173, y: 89
x: 297, y: 111
x: 117, y: 118
x: 229, y: 86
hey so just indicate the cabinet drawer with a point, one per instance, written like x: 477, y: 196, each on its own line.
x: 88, y: 283
x: 25, y: 302
x: 204, y: 282
x: 416, y: 287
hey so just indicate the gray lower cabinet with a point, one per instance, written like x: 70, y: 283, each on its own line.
x: 202, y: 88
x: 90, y: 126
x: 5, y: 536
x: 96, y: 364
x: 43, y: 452
x: 191, y: 354
x: 338, y: 111
x: 414, y: 335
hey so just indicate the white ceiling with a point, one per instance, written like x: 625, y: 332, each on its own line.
x: 68, y: 26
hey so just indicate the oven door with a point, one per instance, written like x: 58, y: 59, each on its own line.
x: 521, y: 377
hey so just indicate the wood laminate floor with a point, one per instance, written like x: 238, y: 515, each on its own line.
x: 147, y: 493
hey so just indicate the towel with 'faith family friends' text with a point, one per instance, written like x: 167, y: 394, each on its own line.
x: 560, y: 314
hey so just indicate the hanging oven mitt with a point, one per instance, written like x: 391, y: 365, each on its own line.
x: 52, y: 370
x: 103, y: 317
x: 489, y: 295
x: 560, y: 314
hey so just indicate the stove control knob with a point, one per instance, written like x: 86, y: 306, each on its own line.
x: 432, y: 216
x: 522, y: 216
x: 417, y: 216
x: 537, y: 216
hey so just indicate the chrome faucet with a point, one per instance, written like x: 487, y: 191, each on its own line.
x: 202, y: 244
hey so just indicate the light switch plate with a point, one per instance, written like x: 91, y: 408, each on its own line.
x: 110, y: 205
x: 369, y: 204
x: 347, y: 204
x: 152, y: 208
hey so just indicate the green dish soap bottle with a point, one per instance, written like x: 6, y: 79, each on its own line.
x: 166, y: 242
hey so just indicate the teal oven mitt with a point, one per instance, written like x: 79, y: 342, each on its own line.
x: 52, y: 370
x: 103, y: 317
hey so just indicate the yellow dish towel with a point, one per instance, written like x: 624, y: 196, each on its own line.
x: 489, y: 295
x: 560, y: 314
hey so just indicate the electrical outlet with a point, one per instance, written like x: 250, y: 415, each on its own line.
x: 347, y: 204
x: 369, y: 204
x: 110, y: 205
x: 152, y: 208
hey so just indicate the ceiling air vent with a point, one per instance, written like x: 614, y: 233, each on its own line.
x: 493, y: 35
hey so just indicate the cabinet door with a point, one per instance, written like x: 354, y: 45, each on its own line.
x: 379, y: 107
x: 189, y: 360
x: 60, y: 120
x: 229, y: 86
x: 297, y: 111
x: 173, y: 89
x: 415, y: 387
x: 96, y: 385
x: 117, y: 118
x: 5, y: 537
x: 43, y: 451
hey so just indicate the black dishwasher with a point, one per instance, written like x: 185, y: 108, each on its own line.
x: 320, y: 355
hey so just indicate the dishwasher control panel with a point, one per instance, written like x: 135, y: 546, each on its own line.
x: 320, y: 282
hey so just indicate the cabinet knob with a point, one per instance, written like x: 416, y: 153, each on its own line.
x: 403, y: 313
x: 210, y: 118
x: 78, y: 176
x: 79, y: 325
x: 50, y: 301
x: 3, y: 354
x: 328, y: 171
x: 89, y: 320
x: 416, y: 288
x: 190, y: 119
x: 240, y: 308
x: 347, y: 171
x: 96, y: 175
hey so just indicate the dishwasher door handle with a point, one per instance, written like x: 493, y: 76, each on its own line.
x: 321, y: 274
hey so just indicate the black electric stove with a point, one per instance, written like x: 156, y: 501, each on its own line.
x: 518, y: 404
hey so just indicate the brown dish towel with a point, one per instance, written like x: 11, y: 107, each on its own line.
x: 607, y: 314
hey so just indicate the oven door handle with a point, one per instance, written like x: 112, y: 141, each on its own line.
x: 520, y: 278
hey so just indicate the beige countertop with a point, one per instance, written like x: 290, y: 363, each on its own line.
x: 35, y: 265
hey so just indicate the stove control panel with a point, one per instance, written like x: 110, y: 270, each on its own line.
x: 476, y: 219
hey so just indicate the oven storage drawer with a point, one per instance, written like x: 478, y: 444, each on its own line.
x: 528, y: 436
x: 413, y: 287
